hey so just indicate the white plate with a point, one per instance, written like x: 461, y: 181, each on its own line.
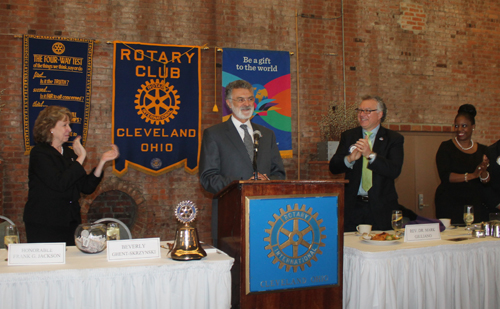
x: 382, y: 242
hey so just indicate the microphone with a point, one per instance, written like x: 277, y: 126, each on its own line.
x: 256, y: 137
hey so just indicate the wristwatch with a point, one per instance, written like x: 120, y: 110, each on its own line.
x: 372, y: 156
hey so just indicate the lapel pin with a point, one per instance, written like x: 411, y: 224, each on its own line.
x: 381, y: 139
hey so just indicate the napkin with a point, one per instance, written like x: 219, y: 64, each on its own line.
x: 424, y: 220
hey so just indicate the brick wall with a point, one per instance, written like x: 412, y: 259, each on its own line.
x: 423, y: 75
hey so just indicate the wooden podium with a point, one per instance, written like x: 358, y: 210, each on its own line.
x: 232, y: 228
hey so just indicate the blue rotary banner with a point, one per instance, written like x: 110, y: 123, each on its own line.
x: 269, y: 73
x: 56, y: 71
x: 156, y: 107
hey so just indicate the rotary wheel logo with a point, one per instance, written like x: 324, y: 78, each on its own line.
x: 157, y: 102
x: 186, y: 212
x: 295, y: 237
x: 156, y: 163
x: 58, y: 48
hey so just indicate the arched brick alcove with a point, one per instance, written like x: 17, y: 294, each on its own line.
x: 109, y: 187
x: 114, y: 204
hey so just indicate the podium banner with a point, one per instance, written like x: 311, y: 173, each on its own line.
x: 269, y: 73
x: 156, y: 107
x: 56, y: 71
x: 292, y: 242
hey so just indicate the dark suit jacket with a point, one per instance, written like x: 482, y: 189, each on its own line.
x: 55, y: 184
x: 386, y: 168
x: 224, y: 158
x: 491, y: 195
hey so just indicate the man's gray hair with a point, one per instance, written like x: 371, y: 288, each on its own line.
x: 237, y: 84
x: 380, y: 104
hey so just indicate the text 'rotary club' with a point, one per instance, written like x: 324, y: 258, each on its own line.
x: 156, y: 56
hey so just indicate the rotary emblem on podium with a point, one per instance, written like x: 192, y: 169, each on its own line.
x: 295, y: 237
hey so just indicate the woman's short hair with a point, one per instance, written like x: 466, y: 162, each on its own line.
x: 468, y: 111
x: 47, y: 120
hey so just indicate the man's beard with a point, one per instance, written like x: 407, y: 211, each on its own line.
x: 238, y: 112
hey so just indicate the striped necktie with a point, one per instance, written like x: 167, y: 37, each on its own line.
x: 247, y: 140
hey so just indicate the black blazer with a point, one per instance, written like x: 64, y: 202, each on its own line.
x: 388, y: 146
x: 55, y: 184
x: 224, y: 158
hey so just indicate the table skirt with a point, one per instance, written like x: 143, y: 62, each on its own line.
x: 446, y: 276
x: 87, y: 282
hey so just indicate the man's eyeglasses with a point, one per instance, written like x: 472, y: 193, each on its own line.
x: 365, y: 111
x: 242, y: 100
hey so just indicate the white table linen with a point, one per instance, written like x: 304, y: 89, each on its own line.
x: 426, y: 274
x: 90, y: 281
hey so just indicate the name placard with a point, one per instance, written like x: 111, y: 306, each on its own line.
x: 420, y: 232
x: 134, y: 249
x: 37, y: 253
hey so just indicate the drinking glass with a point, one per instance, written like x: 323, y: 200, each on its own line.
x: 113, y: 231
x: 11, y: 236
x: 468, y: 216
x: 397, y: 221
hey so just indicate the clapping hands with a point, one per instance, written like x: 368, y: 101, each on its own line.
x: 111, y: 154
x: 360, y: 148
x: 482, y: 168
x: 107, y: 156
x: 79, y: 149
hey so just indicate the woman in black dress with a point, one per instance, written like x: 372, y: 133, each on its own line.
x: 463, y: 169
x: 56, y: 179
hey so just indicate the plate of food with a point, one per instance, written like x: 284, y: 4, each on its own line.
x: 381, y: 239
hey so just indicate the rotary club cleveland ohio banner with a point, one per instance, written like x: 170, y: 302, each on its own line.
x: 56, y: 71
x: 156, y: 107
x: 269, y: 73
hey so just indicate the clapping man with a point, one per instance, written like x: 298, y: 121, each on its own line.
x: 371, y: 157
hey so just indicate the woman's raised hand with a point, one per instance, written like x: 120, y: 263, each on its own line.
x: 111, y: 154
x: 107, y: 156
x: 79, y: 149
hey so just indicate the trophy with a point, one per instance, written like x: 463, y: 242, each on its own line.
x: 186, y: 246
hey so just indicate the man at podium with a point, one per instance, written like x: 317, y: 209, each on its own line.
x: 371, y: 157
x: 228, y: 148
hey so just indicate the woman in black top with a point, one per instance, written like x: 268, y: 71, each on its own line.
x: 56, y: 179
x: 463, y: 168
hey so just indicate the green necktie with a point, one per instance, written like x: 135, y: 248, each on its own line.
x: 366, y: 176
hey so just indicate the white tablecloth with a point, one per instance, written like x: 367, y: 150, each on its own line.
x: 90, y: 281
x: 427, y: 274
